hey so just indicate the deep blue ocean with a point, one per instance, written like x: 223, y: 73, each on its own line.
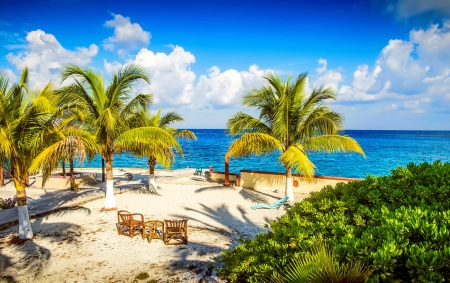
x: 385, y: 150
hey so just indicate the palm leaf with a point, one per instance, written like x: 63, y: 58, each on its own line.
x: 334, y: 143
x: 185, y: 134
x: 296, y: 158
x: 254, y: 144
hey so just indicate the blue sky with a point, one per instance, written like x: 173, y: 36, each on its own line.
x: 389, y: 61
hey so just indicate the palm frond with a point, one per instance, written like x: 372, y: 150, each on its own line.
x: 254, y: 144
x: 333, y: 143
x: 242, y: 122
x: 170, y: 118
x: 185, y: 134
x: 139, y: 139
x: 320, y: 265
x: 296, y: 158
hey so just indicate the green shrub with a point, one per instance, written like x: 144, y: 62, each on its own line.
x: 398, y: 225
x: 320, y: 265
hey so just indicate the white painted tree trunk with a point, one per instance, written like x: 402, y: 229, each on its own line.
x: 25, y: 231
x: 289, y: 190
x: 110, y: 201
x: 152, y: 183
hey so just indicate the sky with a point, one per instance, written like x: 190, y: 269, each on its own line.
x: 387, y: 60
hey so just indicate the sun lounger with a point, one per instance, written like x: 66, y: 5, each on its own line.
x: 274, y: 205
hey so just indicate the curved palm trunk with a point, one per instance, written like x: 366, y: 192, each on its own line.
x: 25, y: 231
x: 151, y: 179
x: 64, y: 168
x: 2, y: 177
x: 289, y: 191
x: 103, y: 169
x: 72, y: 177
x: 110, y: 202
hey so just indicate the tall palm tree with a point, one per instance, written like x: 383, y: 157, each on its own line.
x: 27, y: 119
x: 164, y: 155
x: 109, y: 108
x: 290, y: 122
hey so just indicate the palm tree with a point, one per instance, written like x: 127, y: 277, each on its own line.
x: 164, y: 155
x: 27, y: 119
x: 291, y: 122
x: 108, y: 111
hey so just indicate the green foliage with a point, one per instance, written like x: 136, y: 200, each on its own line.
x: 397, y: 224
x: 8, y: 202
x: 320, y: 265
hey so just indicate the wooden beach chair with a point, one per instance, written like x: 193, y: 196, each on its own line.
x: 129, y: 224
x: 274, y: 205
x: 176, y: 232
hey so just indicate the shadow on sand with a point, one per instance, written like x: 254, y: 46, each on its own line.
x: 31, y: 259
x: 243, y: 229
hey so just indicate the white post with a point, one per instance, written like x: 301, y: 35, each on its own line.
x: 152, y: 183
x: 110, y: 201
x: 289, y: 190
x: 25, y: 231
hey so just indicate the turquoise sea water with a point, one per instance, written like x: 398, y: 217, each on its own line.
x: 385, y: 150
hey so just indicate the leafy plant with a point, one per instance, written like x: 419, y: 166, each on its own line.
x: 320, y: 265
x: 8, y: 203
x: 398, y: 225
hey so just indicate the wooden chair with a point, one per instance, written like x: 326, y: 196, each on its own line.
x: 129, y: 224
x: 176, y: 232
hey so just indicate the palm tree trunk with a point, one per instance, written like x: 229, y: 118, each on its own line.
x: 72, y: 177
x: 64, y: 168
x: 25, y: 231
x: 289, y: 191
x: 103, y: 169
x: 151, y: 179
x: 110, y: 202
x: 2, y: 177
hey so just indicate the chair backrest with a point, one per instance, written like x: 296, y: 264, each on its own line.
x: 176, y: 225
x: 123, y: 216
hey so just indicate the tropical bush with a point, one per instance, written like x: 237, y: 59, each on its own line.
x: 8, y: 202
x: 398, y: 225
x: 320, y: 265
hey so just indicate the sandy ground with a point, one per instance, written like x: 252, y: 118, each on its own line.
x: 82, y: 245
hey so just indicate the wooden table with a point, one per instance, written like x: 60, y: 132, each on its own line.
x: 155, y: 230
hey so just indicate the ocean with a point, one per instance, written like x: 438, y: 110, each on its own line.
x: 385, y: 150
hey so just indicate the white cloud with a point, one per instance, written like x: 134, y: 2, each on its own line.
x: 411, y: 72
x: 327, y: 78
x: 173, y: 83
x: 224, y: 89
x: 127, y: 35
x: 10, y: 75
x: 44, y: 56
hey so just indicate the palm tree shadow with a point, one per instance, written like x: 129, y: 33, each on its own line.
x: 242, y: 229
x: 214, y: 188
x: 34, y: 258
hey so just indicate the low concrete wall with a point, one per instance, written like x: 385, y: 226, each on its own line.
x: 270, y: 181
x: 57, y: 182
x: 220, y: 177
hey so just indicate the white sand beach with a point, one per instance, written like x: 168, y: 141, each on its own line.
x: 82, y: 244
